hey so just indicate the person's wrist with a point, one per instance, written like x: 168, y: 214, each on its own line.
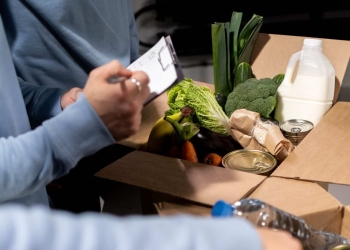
x: 69, y: 97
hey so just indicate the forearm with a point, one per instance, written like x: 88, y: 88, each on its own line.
x: 42, y: 102
x: 40, y: 228
x: 34, y: 159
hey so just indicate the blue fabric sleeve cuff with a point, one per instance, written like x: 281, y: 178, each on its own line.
x: 78, y: 131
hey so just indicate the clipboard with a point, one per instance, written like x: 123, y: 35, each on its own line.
x: 162, y: 66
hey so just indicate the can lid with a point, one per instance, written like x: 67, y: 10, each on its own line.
x: 222, y: 209
x: 343, y: 247
x: 296, y: 127
x: 253, y: 161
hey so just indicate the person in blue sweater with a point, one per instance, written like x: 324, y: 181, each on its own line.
x: 96, y: 117
x: 55, y: 44
x: 81, y: 129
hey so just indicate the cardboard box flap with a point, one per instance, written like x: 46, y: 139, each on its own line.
x: 192, y: 181
x: 180, y: 206
x: 272, y: 52
x: 345, y: 228
x: 323, y: 155
x: 304, y: 199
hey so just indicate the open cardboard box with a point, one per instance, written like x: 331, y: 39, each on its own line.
x: 323, y: 156
x: 193, y: 187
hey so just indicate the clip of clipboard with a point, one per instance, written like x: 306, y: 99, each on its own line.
x: 166, y: 57
x: 170, y: 47
x: 175, y: 61
x: 166, y: 64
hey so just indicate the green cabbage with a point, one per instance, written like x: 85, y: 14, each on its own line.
x: 209, y: 113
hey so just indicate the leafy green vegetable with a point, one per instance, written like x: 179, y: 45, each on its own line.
x: 235, y: 25
x: 208, y: 112
x: 230, y: 47
x: 243, y: 72
x: 184, y: 131
x: 255, y: 95
x: 248, y: 37
x: 278, y: 79
x: 220, y: 59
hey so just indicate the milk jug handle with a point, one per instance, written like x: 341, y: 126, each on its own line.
x: 290, y: 68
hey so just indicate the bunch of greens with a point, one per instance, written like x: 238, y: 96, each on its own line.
x: 208, y: 113
x: 230, y: 47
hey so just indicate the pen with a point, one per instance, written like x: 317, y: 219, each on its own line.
x: 116, y: 79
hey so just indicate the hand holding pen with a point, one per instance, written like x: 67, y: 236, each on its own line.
x: 118, y: 105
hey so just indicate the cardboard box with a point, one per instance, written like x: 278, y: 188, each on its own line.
x: 321, y: 157
x: 345, y: 229
x: 195, y: 182
x: 304, y: 199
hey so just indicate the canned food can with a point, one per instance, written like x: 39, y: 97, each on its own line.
x: 253, y: 161
x: 341, y: 247
x: 296, y: 129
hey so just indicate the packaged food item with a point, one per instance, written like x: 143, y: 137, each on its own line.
x: 296, y: 129
x: 257, y: 134
x: 252, y: 161
x: 311, y: 93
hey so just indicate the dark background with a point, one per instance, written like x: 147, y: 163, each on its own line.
x: 191, y: 20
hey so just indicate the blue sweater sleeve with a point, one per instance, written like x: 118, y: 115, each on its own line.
x: 134, y: 36
x: 33, y: 159
x: 42, y: 102
x: 41, y: 229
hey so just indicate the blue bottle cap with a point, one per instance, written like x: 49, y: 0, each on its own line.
x: 222, y: 209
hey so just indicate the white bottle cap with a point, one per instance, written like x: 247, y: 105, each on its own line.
x: 312, y: 42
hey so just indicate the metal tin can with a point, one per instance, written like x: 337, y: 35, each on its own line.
x: 296, y: 129
x: 342, y: 247
x: 253, y: 161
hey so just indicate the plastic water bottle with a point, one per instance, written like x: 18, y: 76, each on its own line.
x: 311, y: 93
x: 265, y: 215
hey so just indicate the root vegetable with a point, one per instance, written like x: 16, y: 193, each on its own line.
x: 188, y: 152
x: 212, y: 159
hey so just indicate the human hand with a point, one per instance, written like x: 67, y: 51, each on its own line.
x: 118, y: 105
x: 70, y: 97
x: 278, y: 240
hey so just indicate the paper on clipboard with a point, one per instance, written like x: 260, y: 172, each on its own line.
x: 161, y: 65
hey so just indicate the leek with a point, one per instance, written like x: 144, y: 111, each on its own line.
x: 230, y: 47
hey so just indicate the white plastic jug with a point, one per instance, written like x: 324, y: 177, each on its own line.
x: 311, y: 94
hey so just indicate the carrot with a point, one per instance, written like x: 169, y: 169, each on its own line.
x: 188, y: 152
x: 212, y: 159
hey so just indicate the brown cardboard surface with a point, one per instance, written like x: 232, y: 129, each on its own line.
x: 345, y: 228
x: 179, y: 206
x: 304, y: 199
x: 192, y: 181
x: 323, y: 155
x: 272, y: 52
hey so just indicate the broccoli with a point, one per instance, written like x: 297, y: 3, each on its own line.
x: 254, y: 95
